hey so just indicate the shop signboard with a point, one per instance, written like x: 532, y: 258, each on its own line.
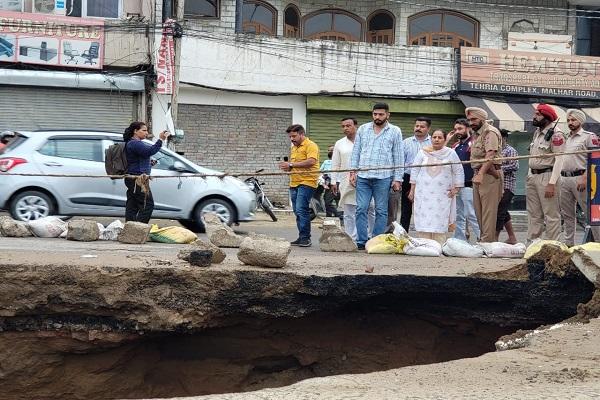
x: 165, y: 60
x: 47, y: 39
x: 593, y: 188
x: 529, y: 74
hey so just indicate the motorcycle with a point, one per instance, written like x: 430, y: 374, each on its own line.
x: 261, y: 198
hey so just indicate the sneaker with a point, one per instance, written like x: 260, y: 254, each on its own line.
x: 295, y: 242
x: 360, y: 246
x: 305, y: 243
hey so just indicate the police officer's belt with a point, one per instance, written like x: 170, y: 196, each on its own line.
x: 540, y: 171
x: 578, y: 172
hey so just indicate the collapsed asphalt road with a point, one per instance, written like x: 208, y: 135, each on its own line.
x: 107, y: 320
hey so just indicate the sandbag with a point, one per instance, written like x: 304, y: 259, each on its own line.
x: 385, y: 244
x: 537, y: 246
x: 591, y: 246
x: 459, y: 248
x: 503, y: 250
x: 172, y: 234
x: 112, y: 230
x: 47, y: 227
x: 423, y: 247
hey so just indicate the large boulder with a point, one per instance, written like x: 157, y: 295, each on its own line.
x: 220, y: 234
x: 264, y: 251
x: 83, y: 230
x: 334, y: 239
x: 11, y: 228
x: 134, y: 233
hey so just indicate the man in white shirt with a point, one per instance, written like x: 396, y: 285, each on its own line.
x: 342, y: 154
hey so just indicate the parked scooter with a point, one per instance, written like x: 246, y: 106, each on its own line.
x: 261, y: 198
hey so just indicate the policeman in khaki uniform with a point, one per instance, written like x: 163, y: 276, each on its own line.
x: 573, y: 181
x: 487, y: 178
x: 543, y: 180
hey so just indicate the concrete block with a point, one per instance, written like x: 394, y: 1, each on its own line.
x: 83, y: 230
x: 264, y: 251
x: 12, y: 228
x: 334, y: 239
x: 134, y: 233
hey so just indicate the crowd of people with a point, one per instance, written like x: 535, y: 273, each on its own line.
x: 429, y: 185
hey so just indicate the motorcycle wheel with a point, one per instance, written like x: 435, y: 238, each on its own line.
x: 267, y: 208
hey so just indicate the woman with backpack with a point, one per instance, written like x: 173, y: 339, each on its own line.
x: 140, y: 203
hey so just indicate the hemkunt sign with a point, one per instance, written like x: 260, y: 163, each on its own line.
x: 529, y: 74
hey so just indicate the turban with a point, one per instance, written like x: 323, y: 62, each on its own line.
x: 547, y: 111
x: 577, y: 114
x: 476, y: 112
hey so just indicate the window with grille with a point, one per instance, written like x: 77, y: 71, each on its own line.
x: 336, y: 25
x: 443, y: 29
x: 381, y: 27
x: 259, y: 17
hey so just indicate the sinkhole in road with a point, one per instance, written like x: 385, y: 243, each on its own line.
x: 316, y: 331
x: 247, y: 354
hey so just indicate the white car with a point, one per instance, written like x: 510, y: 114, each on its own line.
x: 82, y: 153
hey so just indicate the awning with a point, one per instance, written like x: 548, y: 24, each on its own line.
x: 518, y: 116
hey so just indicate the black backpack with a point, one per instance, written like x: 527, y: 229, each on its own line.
x: 115, y: 159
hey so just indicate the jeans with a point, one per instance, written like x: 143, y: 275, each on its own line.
x: 350, y: 220
x: 378, y: 189
x: 301, y: 196
x: 465, y: 211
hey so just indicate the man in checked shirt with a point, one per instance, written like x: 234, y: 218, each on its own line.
x: 509, y: 169
x: 377, y: 144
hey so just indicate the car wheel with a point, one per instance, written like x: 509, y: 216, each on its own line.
x: 31, y: 205
x: 220, y: 207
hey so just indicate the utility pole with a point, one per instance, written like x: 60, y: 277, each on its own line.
x: 179, y: 10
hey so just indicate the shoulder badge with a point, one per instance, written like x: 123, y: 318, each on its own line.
x: 558, y: 139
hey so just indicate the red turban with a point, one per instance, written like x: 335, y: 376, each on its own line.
x: 547, y: 111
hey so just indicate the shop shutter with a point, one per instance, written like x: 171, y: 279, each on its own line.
x: 324, y: 127
x: 32, y: 108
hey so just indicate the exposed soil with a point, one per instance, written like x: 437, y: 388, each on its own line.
x: 247, y: 355
x: 589, y: 310
x: 516, y: 273
x: 555, y: 261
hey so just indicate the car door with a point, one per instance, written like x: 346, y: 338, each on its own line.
x: 67, y: 155
x: 172, y: 196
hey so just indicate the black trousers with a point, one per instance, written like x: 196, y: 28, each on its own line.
x: 331, y: 203
x: 406, y: 207
x: 139, y: 205
x: 503, y: 206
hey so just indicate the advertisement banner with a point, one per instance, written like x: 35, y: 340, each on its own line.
x: 51, y: 40
x: 165, y: 61
x: 529, y: 74
x: 593, y: 190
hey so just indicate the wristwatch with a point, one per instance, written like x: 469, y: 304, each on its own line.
x: 291, y: 165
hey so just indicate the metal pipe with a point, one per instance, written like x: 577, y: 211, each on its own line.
x: 239, y: 16
x: 167, y: 10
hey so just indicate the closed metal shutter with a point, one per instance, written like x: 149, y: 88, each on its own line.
x: 33, y: 108
x: 324, y: 127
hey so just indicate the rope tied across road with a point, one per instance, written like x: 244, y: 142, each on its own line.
x: 287, y: 173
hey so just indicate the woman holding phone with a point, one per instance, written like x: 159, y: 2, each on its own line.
x: 140, y: 203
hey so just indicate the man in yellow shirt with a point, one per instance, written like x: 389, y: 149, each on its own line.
x: 304, y: 158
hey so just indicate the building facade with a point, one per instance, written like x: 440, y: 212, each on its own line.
x: 252, y: 67
x: 77, y: 64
